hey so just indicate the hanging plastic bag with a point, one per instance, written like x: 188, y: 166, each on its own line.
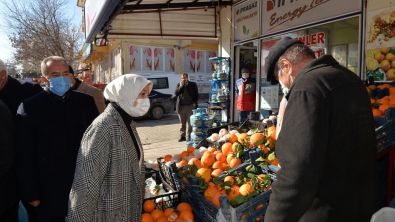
x: 232, y: 217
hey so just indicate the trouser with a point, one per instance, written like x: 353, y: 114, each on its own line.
x: 243, y: 116
x: 11, y: 214
x: 184, y: 113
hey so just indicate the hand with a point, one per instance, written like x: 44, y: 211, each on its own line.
x: 182, y: 82
x: 35, y: 203
x: 194, y: 105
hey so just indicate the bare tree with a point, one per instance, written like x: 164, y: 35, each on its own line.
x: 39, y: 29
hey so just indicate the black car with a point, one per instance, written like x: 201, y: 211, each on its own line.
x: 161, y: 104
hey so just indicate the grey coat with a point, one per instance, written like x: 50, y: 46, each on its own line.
x: 109, y: 179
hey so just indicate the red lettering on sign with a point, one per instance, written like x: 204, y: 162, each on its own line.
x: 318, y: 53
x: 321, y: 36
x: 314, y: 39
x: 307, y: 41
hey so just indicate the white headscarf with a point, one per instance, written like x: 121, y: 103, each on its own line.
x: 125, y: 89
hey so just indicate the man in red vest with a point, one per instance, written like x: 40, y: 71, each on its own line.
x: 245, y: 94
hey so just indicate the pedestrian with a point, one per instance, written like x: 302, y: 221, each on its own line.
x: 13, y: 91
x: 81, y: 86
x: 109, y: 181
x: 50, y: 126
x: 245, y: 93
x: 187, y: 96
x: 9, y: 196
x: 327, y: 144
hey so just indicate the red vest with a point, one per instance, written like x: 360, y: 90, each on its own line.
x: 247, y: 96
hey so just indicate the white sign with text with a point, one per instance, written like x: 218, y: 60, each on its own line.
x: 246, y: 20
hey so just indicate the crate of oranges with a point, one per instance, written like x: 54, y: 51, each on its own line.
x: 181, y: 212
x: 245, y: 188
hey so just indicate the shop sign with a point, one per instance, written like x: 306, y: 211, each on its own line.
x: 92, y: 10
x: 279, y: 15
x: 87, y: 50
x: 316, y: 42
x: 246, y: 20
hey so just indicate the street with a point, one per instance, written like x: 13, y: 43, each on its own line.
x: 160, y: 137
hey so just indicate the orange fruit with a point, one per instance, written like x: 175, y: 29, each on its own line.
x: 384, y: 107
x: 216, y: 172
x: 167, y: 158
x: 217, y: 152
x: 161, y: 219
x: 392, y: 102
x: 190, y: 149
x: 235, y: 162
x: 187, y: 215
x: 218, y: 165
x: 226, y: 148
x: 257, y: 138
x: 386, y: 86
x: 191, y: 154
x: 168, y: 211
x: 246, y: 189
x: 178, y: 220
x: 219, y: 187
x: 225, y: 166
x: 221, y: 157
x: 385, y: 50
x: 149, y: 206
x: 258, y: 207
x: 372, y: 86
x: 379, y: 57
x: 391, y: 96
x: 234, y: 192
x: 172, y: 216
x: 146, y: 217
x: 230, y: 179
x: 209, y: 193
x: 184, y: 154
x: 377, y: 112
x: 216, y: 198
x: 241, y: 137
x: 385, y: 65
x: 372, y: 100
x: 212, y: 149
x: 229, y: 158
x: 211, y: 184
x: 207, y: 160
x: 195, y: 162
x: 184, y: 207
x: 157, y: 213
x: 183, y: 163
x: 271, y: 132
x: 232, y: 138
x: 203, y: 173
x: 384, y: 101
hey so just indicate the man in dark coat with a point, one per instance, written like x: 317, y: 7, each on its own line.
x: 9, y: 198
x: 50, y: 127
x: 327, y: 145
x: 13, y: 91
x: 187, y: 97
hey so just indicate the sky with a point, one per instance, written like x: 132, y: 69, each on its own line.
x: 5, y: 45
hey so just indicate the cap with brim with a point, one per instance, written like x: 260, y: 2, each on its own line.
x: 274, y: 54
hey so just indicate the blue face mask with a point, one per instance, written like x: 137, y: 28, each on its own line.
x: 59, y: 85
x: 283, y: 88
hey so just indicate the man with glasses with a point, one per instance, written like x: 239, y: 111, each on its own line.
x: 50, y: 127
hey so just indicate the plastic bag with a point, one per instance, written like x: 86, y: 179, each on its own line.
x: 176, y: 158
x: 214, y: 137
x: 221, y: 218
x: 223, y: 132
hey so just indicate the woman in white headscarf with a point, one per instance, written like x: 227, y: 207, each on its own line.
x: 109, y: 178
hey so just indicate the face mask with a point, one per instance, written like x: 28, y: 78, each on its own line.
x: 140, y: 110
x: 284, y: 88
x: 245, y: 75
x: 59, y: 85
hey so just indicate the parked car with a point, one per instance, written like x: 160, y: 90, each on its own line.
x: 161, y: 104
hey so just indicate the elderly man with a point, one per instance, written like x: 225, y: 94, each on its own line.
x: 50, y: 127
x: 13, y: 91
x: 327, y: 144
x: 81, y: 86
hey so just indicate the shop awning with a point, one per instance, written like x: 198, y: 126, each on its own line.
x: 161, y: 18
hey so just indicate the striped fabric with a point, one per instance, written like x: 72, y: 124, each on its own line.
x: 109, y: 179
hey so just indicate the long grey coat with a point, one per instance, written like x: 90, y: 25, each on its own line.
x: 109, y: 180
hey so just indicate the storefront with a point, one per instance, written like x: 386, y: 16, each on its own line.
x: 328, y: 26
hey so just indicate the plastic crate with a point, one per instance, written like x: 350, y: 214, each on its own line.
x: 385, y: 134
x: 169, y: 200
x: 226, y: 126
x: 207, y: 143
x: 247, y: 124
x: 208, y: 210
x: 167, y: 175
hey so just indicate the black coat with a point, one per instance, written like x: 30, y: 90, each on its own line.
x: 192, y: 91
x: 49, y: 132
x: 15, y: 91
x: 8, y: 188
x: 326, y: 148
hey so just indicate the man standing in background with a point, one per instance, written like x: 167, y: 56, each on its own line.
x: 187, y: 97
x: 83, y: 87
x: 245, y: 94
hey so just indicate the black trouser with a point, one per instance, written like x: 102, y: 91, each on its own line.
x: 11, y: 214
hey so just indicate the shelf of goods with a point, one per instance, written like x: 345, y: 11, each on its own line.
x: 219, y: 93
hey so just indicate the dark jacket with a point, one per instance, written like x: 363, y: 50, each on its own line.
x: 192, y: 91
x: 8, y: 188
x: 49, y: 132
x: 15, y: 91
x: 326, y: 149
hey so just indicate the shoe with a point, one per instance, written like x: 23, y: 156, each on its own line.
x: 182, y: 138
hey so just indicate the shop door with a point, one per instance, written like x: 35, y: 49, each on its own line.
x: 246, y: 56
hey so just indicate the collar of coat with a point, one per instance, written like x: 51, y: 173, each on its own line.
x: 323, y: 61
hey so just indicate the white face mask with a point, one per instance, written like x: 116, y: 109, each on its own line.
x: 245, y: 75
x: 284, y: 88
x: 140, y: 110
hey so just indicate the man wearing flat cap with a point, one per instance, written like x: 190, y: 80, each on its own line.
x: 327, y: 145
